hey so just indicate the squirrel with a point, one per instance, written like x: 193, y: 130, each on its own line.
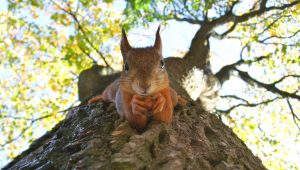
x: 143, y: 89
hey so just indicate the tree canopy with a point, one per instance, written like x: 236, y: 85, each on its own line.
x: 44, y: 45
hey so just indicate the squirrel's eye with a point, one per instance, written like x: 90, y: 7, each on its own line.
x: 126, y: 68
x: 162, y: 64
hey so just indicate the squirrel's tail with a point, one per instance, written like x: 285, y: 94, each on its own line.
x: 210, y: 93
x: 202, y: 86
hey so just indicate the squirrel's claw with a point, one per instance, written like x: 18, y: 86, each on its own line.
x: 159, y: 104
x: 136, y: 109
x: 138, y: 106
x: 141, y: 102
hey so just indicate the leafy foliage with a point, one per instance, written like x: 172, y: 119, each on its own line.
x: 44, y: 50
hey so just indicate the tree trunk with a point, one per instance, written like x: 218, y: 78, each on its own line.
x: 93, y: 137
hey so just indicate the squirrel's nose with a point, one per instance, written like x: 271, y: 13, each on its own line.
x: 145, y: 86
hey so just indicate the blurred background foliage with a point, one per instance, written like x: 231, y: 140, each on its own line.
x: 45, y: 44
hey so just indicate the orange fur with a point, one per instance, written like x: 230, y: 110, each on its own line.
x: 143, y: 89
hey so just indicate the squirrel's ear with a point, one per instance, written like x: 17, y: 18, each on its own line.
x: 125, y: 46
x: 157, y: 44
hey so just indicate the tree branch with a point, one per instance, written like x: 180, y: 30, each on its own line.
x: 233, y: 5
x: 248, y: 105
x: 198, y: 51
x: 186, y: 7
x: 230, y: 17
x: 189, y: 20
x: 81, y: 29
x: 25, y: 129
x: 294, y: 34
x: 88, y: 55
x: 270, y: 25
x: 270, y: 87
x: 223, y: 35
x: 224, y: 73
x: 284, y: 77
x: 262, y: 10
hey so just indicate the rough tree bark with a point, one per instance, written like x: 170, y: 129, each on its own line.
x: 93, y: 137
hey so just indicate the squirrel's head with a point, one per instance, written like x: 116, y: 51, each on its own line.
x: 144, y: 70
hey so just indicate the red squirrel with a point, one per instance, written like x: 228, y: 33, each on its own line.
x: 143, y: 89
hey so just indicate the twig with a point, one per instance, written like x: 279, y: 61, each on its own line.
x: 293, y: 114
x: 235, y: 97
x: 88, y: 55
x: 281, y: 37
x: 25, y: 129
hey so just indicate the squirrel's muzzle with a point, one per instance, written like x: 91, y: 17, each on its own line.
x: 143, y: 88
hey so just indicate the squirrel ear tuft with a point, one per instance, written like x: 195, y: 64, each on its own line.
x: 157, y: 44
x: 125, y: 46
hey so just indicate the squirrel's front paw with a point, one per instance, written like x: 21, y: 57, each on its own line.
x: 140, y: 105
x: 96, y: 99
x: 182, y: 101
x: 159, y: 103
